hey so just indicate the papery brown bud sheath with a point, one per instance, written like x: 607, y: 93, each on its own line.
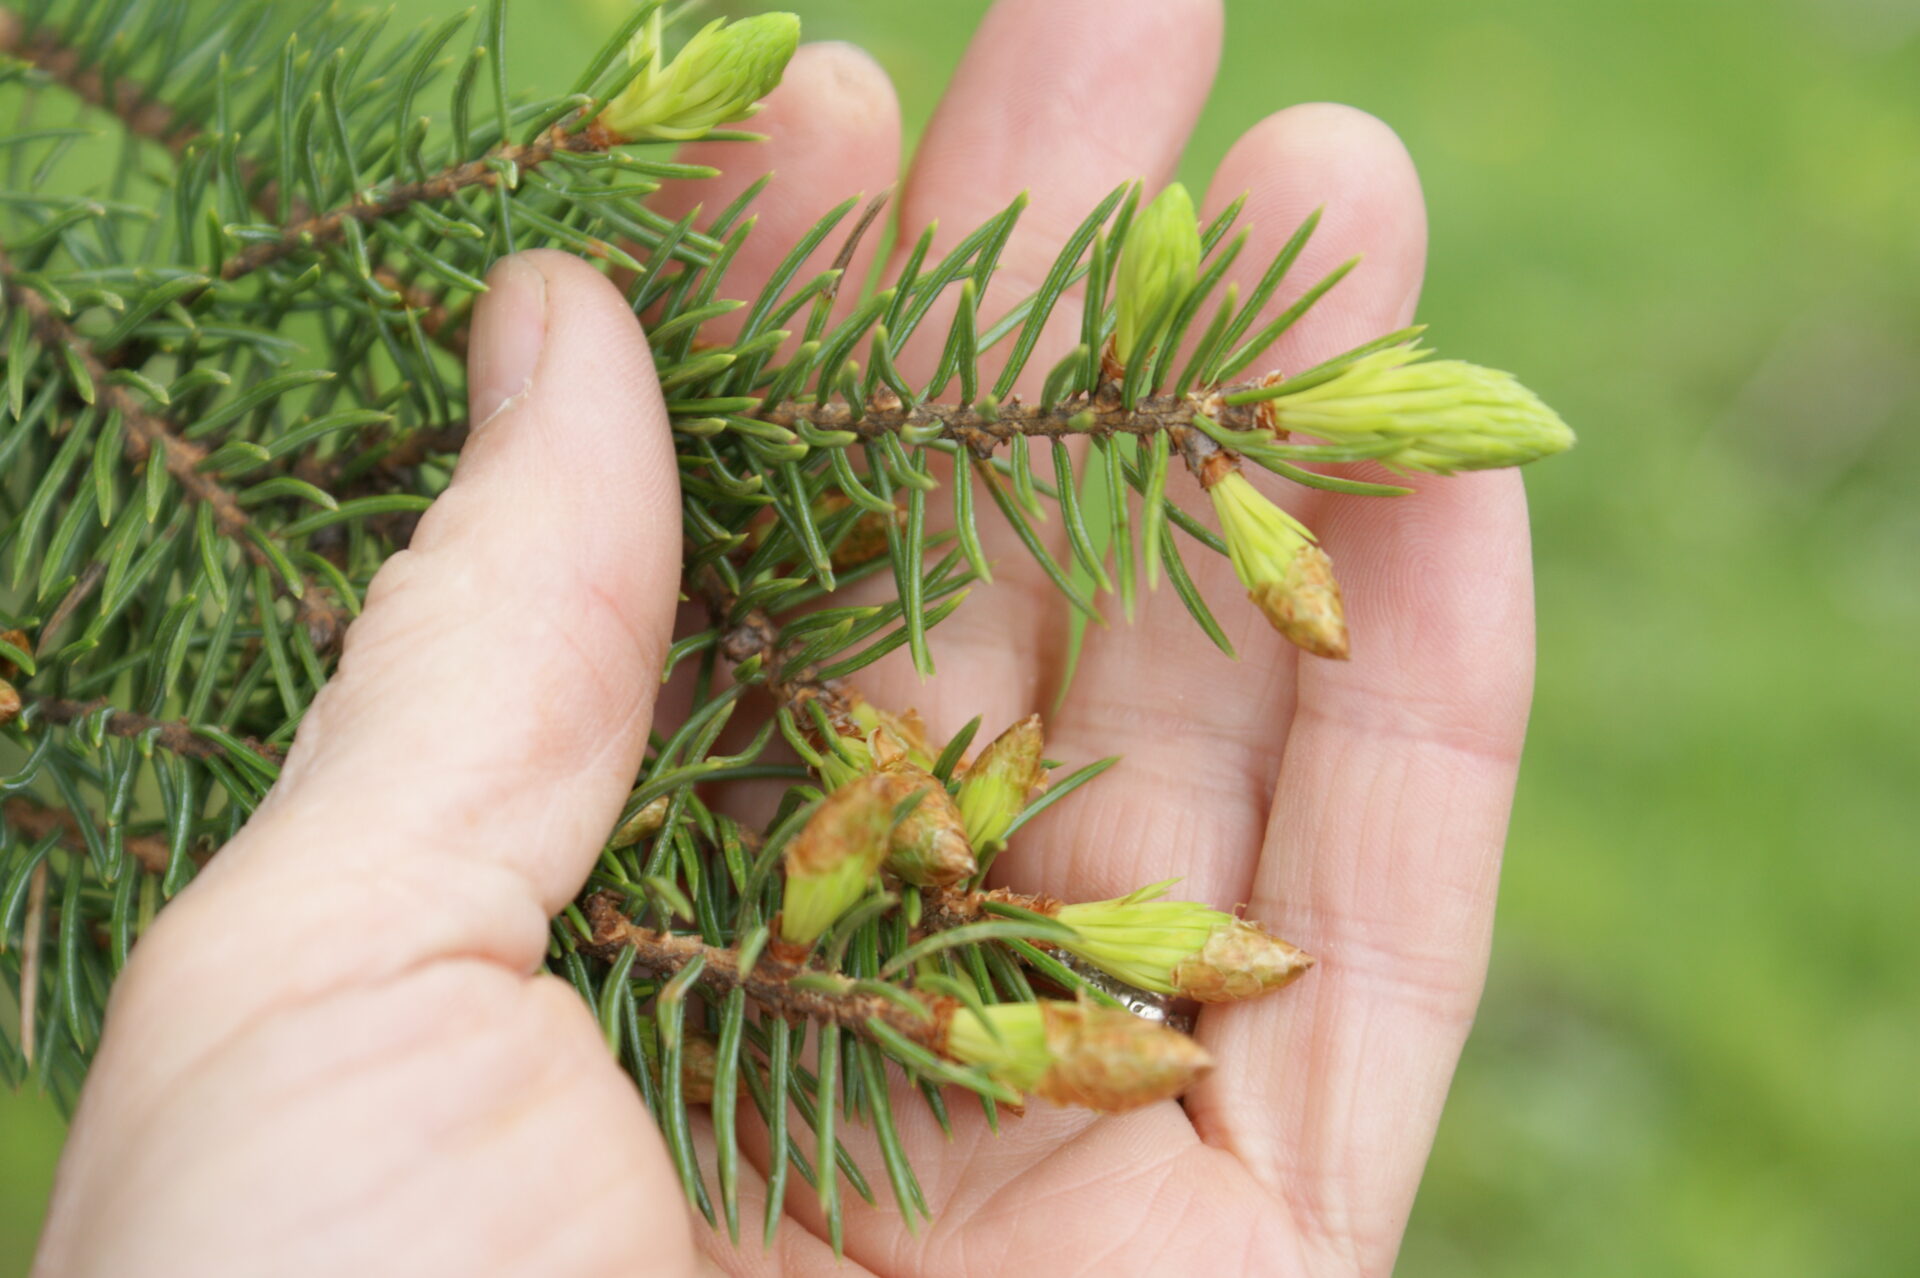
x: 1305, y: 605
x: 1240, y: 960
x: 1111, y: 1061
x: 929, y: 846
x: 834, y: 857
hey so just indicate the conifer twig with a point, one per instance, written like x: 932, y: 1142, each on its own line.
x: 36, y: 822
x: 175, y: 735
x: 983, y: 430
x: 770, y: 983
x: 324, y: 619
x: 124, y: 97
x: 150, y: 117
x: 755, y: 636
x: 330, y: 226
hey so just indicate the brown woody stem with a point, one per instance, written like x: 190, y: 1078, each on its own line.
x: 770, y: 983
x: 981, y: 433
x: 328, y: 227
x: 944, y: 908
x: 36, y: 822
x: 175, y: 735
x: 755, y: 635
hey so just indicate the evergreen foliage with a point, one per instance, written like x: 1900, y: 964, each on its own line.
x: 239, y: 241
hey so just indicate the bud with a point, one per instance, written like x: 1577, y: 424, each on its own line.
x: 928, y: 848
x: 1008, y: 775
x: 18, y: 638
x: 719, y: 77
x: 1181, y: 948
x: 884, y: 741
x: 9, y: 702
x: 643, y: 824
x: 1288, y: 577
x: 891, y: 735
x: 699, y: 1066
x: 1159, y: 265
x: 1441, y: 415
x: 833, y: 859
x: 867, y: 539
x: 1100, y: 1058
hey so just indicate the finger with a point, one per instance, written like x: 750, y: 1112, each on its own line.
x: 1383, y: 858
x: 833, y: 132
x: 1200, y: 734
x: 450, y: 787
x: 1063, y: 100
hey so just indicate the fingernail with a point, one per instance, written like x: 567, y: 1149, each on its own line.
x: 509, y: 329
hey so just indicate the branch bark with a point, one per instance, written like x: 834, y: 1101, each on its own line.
x: 36, y: 822
x: 769, y: 984
x: 175, y: 735
x: 329, y: 227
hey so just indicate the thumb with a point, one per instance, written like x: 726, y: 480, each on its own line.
x: 496, y: 694
x: 450, y: 787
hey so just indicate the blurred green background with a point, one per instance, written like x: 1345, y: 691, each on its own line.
x: 1694, y: 226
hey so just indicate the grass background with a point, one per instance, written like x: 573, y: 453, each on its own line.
x: 1694, y: 226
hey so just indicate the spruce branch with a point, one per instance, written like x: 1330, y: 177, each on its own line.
x: 148, y: 433
x: 322, y: 229
x: 298, y: 153
x: 34, y: 821
x: 142, y: 114
x: 176, y: 735
x: 981, y: 429
x: 770, y: 982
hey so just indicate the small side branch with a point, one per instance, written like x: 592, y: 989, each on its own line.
x: 756, y: 636
x: 329, y: 227
x: 124, y: 97
x: 769, y: 983
x: 981, y: 432
x: 36, y: 822
x: 324, y: 619
x: 943, y: 909
x: 175, y: 735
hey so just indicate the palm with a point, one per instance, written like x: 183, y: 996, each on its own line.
x: 1358, y: 807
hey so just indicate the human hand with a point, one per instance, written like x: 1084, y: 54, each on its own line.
x: 1357, y: 808
x: 329, y: 1054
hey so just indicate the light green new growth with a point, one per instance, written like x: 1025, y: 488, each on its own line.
x: 1159, y: 265
x: 1438, y: 415
x: 718, y: 78
x: 1008, y: 1041
x: 1140, y: 938
x: 1179, y: 948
